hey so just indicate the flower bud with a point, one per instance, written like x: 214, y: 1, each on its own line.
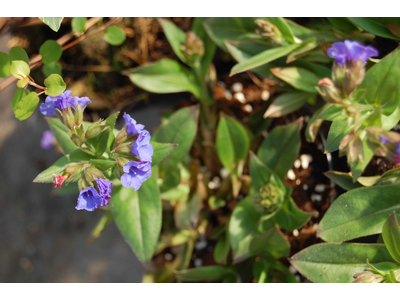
x: 193, y: 48
x: 268, y: 30
x: 77, y: 136
x: 271, y: 198
x: 58, y: 180
x: 68, y: 117
x: 380, y: 272
x: 72, y: 170
x: 124, y: 149
x: 78, y: 117
x: 328, y: 91
x: 121, y: 161
x: 91, y: 173
x: 124, y: 137
x: 83, y: 184
x: 95, y: 129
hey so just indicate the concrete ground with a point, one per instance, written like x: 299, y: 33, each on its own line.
x: 42, y: 237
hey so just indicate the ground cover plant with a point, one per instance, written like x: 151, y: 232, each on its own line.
x: 279, y: 165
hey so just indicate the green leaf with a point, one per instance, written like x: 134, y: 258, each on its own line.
x: 161, y: 151
x: 305, y: 33
x: 262, y: 58
x: 286, y: 103
x: 290, y: 217
x: 51, y: 51
x: 76, y: 156
x: 381, y: 84
x: 78, y: 24
x: 332, y: 262
x: 114, y: 35
x: 389, y: 178
x: 270, y: 244
x: 55, y: 85
x: 181, y: 129
x: 176, y: 194
x: 209, y: 273
x: 302, y: 50
x: 283, y: 27
x: 22, y: 82
x: 53, y: 22
x: 26, y: 106
x: 61, y: 133
x: 221, y: 249
x: 52, y: 68
x: 105, y: 220
x: 373, y: 25
x: 244, y: 219
x: 176, y: 37
x: 187, y: 212
x: 280, y: 149
x: 164, y: 76
x: 18, y: 53
x: 5, y: 65
x: 337, y: 132
x: 19, y: 69
x: 391, y: 236
x: 342, y: 23
x: 110, y: 121
x: 260, y: 174
x: 299, y: 78
x: 232, y: 142
x: 18, y: 95
x: 102, y: 164
x: 138, y: 215
x: 358, y: 167
x: 100, y: 142
x: 230, y: 29
x: 344, y: 180
x: 359, y: 212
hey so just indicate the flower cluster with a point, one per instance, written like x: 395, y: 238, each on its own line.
x: 92, y: 198
x: 136, y: 172
x: 348, y: 51
x: 62, y: 102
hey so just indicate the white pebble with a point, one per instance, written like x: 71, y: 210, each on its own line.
x: 224, y: 173
x: 292, y: 270
x: 298, y: 181
x: 297, y: 278
x: 240, y: 97
x: 378, y: 161
x: 316, y: 214
x: 198, y: 262
x: 315, y: 226
x: 217, y: 182
x: 297, y: 163
x: 307, y: 119
x: 168, y: 256
x: 248, y: 108
x: 211, y: 185
x: 265, y: 95
x: 319, y: 188
x: 201, y: 244
x: 316, y: 197
x: 237, y: 87
x: 228, y: 95
x: 305, y: 187
x: 291, y: 175
x: 295, y: 232
x: 305, y: 160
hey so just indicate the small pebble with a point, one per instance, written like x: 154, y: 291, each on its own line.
x: 198, y: 262
x: 291, y: 175
x: 297, y: 163
x: 295, y: 232
x: 305, y: 160
x: 222, y: 84
x: 237, y: 87
x: 228, y: 95
x: 298, y: 181
x: 240, y: 97
x: 265, y: 95
x: 315, y: 226
x: 297, y: 278
x: 224, y: 173
x: 319, y: 188
x: 292, y: 270
x: 378, y: 161
x: 316, y: 197
x: 211, y: 185
x: 201, y: 244
x: 168, y: 256
x: 248, y: 108
x: 307, y: 119
x: 305, y: 187
x: 316, y: 215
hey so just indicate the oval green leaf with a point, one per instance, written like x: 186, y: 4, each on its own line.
x: 160, y: 151
x: 78, y: 24
x: 51, y: 51
x: 176, y: 37
x: 299, y: 78
x: 114, y: 35
x: 19, y: 69
x: 5, y: 65
x: 391, y: 236
x: 286, y: 103
x: 53, y: 22
x: 26, y: 106
x: 55, y: 85
x: 18, y: 53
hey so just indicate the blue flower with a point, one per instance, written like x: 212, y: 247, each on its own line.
x: 104, y: 188
x: 136, y: 172
x: 133, y: 127
x: 142, y: 147
x: 62, y: 102
x: 47, y: 140
x: 351, y: 50
x: 89, y: 199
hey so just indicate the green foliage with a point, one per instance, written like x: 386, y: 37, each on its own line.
x: 17, y: 53
x: 19, y: 69
x: 391, y: 236
x: 55, y: 85
x: 53, y: 22
x: 5, y: 65
x: 374, y: 25
x: 209, y: 273
x: 334, y: 262
x: 138, y: 215
x: 161, y: 151
x: 78, y: 24
x: 51, y: 51
x: 114, y: 35
x: 299, y: 78
x: 176, y: 37
x: 52, y: 68
x: 290, y: 217
x: 286, y: 103
x: 61, y: 134
x: 26, y: 106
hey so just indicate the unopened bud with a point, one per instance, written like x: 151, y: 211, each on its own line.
x: 193, y: 46
x: 58, y: 180
x: 91, y: 173
x: 124, y: 149
x: 121, y: 161
x: 78, y: 117
x: 83, y: 184
x: 328, y: 91
x: 72, y: 170
x: 95, y: 129
x: 347, y: 76
x: 68, y: 117
x: 123, y: 137
x: 268, y: 30
x: 355, y: 150
x: 77, y: 136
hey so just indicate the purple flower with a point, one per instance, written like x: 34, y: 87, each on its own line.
x: 89, y: 199
x: 136, y: 172
x: 62, y: 102
x: 104, y: 188
x: 47, y: 140
x: 142, y: 147
x: 351, y: 50
x: 133, y: 127
x: 384, y: 139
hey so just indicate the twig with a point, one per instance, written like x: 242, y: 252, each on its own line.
x: 36, y: 60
